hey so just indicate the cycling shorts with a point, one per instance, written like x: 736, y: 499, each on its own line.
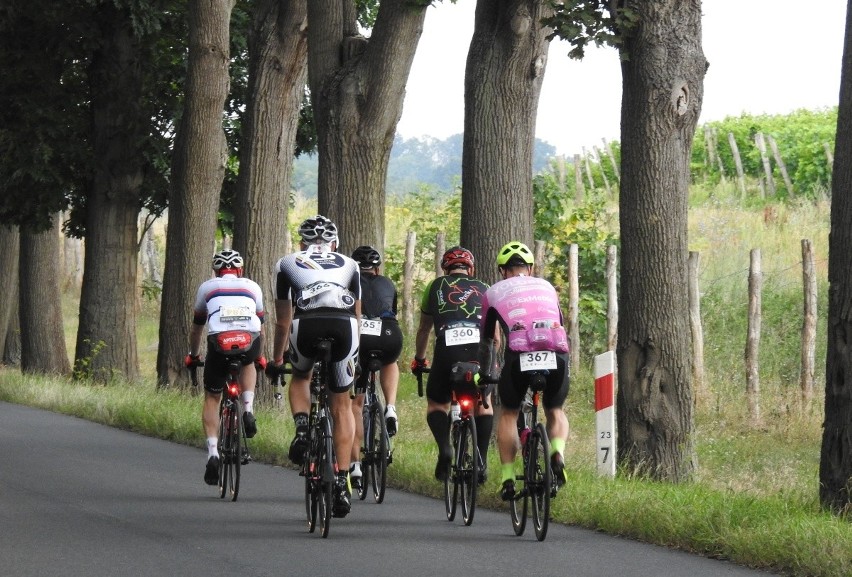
x: 341, y: 327
x: 513, y: 385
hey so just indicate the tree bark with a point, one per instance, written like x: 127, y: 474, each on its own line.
x: 503, y: 77
x: 42, y: 339
x: 106, y: 337
x: 663, y: 89
x: 278, y: 51
x: 9, y: 246
x: 198, y: 169
x: 835, y: 467
x: 357, y: 91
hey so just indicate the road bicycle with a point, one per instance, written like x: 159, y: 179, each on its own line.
x: 466, y: 466
x: 232, y: 444
x: 376, y: 448
x: 319, y: 464
x: 538, y: 485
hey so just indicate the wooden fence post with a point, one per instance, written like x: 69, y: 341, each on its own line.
x: 829, y: 156
x: 767, y: 166
x: 735, y: 150
x: 603, y: 172
x: 440, y: 248
x: 538, y: 269
x: 788, y: 184
x: 693, y: 265
x: 574, y: 303
x: 755, y: 286
x: 588, y: 166
x: 408, y: 281
x: 611, y: 156
x: 809, y: 323
x: 579, y: 190
x: 611, y: 298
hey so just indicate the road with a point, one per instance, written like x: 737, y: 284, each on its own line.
x: 81, y: 499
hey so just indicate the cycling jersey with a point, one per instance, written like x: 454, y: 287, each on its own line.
x: 323, y: 287
x: 380, y: 329
x: 455, y: 304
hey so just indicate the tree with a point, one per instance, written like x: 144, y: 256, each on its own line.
x: 42, y: 344
x: 663, y: 69
x: 835, y: 469
x: 9, y: 246
x: 198, y: 169
x: 505, y: 69
x: 277, y: 76
x: 357, y: 88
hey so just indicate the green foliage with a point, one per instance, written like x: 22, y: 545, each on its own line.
x: 581, y: 22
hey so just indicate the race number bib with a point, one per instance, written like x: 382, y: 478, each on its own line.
x: 461, y: 336
x: 234, y: 314
x: 538, y: 361
x: 371, y: 327
x: 316, y: 288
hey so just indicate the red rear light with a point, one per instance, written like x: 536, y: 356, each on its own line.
x: 233, y: 389
x: 466, y: 404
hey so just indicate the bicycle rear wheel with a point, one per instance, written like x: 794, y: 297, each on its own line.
x: 539, y: 478
x: 312, y: 481
x: 327, y: 478
x: 379, y: 452
x: 451, y: 486
x: 366, y: 451
x: 468, y: 469
x: 519, y: 506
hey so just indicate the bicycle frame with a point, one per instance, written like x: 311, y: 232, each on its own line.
x: 376, y: 450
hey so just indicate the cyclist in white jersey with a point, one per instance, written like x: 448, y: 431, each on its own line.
x: 227, y: 302
x: 318, y: 295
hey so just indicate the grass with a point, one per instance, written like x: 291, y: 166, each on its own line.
x: 754, y: 497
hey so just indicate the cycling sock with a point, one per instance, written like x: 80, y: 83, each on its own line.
x: 507, y: 472
x: 248, y: 401
x: 557, y: 446
x: 484, y: 426
x: 212, y: 447
x: 439, y: 425
x: 301, y: 420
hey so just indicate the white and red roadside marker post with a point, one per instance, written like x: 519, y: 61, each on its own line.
x: 605, y: 412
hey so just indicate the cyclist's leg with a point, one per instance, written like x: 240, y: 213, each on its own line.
x: 557, y: 422
x: 438, y: 396
x: 214, y: 382
x: 248, y: 378
x: 355, y: 471
x: 507, y: 427
x: 484, y: 421
x: 389, y: 374
x: 299, y: 395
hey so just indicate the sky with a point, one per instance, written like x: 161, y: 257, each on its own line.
x: 766, y: 57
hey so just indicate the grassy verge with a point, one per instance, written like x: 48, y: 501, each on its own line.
x: 750, y: 503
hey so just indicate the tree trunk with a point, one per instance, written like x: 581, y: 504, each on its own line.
x: 42, y: 339
x: 277, y: 74
x: 663, y: 89
x: 357, y: 90
x: 503, y: 76
x: 835, y: 467
x: 9, y: 246
x: 106, y: 337
x: 198, y: 169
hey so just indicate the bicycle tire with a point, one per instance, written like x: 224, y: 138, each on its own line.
x: 236, y: 450
x: 451, y: 487
x: 468, y: 469
x: 327, y: 477
x: 366, y: 448
x: 379, y: 453
x: 540, y: 479
x: 519, y: 505
x: 309, y: 470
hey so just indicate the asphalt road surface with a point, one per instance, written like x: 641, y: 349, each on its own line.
x: 81, y: 499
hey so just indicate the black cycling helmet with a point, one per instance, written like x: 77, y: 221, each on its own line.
x: 318, y: 229
x: 515, y: 254
x: 227, y: 260
x: 367, y: 257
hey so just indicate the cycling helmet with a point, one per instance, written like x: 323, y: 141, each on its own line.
x: 367, y: 257
x: 318, y: 229
x: 227, y: 260
x: 515, y: 253
x: 456, y: 257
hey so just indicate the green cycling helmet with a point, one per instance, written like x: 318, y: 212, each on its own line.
x: 515, y: 253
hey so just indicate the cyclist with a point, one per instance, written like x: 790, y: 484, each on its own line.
x: 318, y: 294
x: 379, y: 305
x: 527, y: 309
x: 224, y: 303
x: 452, y: 306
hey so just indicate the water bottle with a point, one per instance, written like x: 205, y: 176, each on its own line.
x: 455, y: 412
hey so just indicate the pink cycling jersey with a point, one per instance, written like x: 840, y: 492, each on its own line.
x: 528, y: 309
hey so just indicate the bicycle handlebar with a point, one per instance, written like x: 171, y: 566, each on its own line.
x: 419, y: 375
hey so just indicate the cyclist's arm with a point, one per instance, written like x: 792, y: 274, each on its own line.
x: 421, y: 340
x: 283, y: 320
x: 195, y: 334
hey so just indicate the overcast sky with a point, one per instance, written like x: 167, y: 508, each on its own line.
x: 766, y: 56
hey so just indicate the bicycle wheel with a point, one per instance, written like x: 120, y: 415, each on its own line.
x: 519, y: 506
x: 367, y: 450
x: 312, y: 480
x: 451, y: 487
x: 379, y: 452
x: 224, y: 447
x: 327, y: 478
x: 539, y: 478
x: 236, y: 455
x: 468, y: 469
